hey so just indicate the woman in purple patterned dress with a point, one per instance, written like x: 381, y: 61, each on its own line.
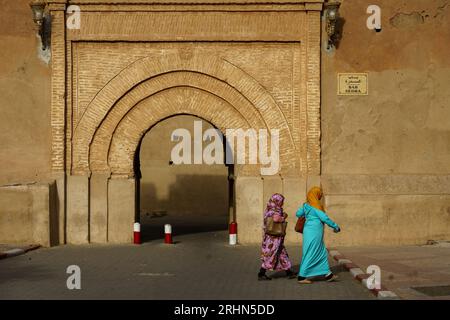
x: 273, y: 252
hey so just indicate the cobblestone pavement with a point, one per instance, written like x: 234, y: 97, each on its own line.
x: 198, y: 266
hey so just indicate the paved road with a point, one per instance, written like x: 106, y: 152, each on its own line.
x: 200, y: 266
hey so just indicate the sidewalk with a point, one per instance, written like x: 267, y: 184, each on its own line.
x: 412, y: 272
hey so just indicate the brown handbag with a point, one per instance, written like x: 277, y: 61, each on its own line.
x: 300, y: 224
x: 277, y: 229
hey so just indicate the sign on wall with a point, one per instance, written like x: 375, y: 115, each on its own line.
x: 353, y: 84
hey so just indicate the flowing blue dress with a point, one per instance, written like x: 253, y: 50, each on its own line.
x: 314, y: 253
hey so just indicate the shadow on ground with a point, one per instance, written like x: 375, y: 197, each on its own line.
x: 155, y: 232
x: 336, y: 269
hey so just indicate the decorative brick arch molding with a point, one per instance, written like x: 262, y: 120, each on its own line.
x: 150, y: 90
x: 235, y: 63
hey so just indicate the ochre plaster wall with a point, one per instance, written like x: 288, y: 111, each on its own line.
x: 25, y: 141
x: 386, y: 156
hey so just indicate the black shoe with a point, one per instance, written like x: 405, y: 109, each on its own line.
x: 290, y: 274
x: 263, y: 277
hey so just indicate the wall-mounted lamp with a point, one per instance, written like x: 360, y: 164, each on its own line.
x: 41, y: 21
x: 331, y: 17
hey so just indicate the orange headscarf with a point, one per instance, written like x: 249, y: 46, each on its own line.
x: 313, y: 197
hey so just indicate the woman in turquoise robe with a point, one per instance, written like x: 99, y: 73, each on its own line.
x: 314, y: 253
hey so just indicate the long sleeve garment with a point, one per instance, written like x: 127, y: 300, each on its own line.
x: 274, y: 255
x: 314, y: 253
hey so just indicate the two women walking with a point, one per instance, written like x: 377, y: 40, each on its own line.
x: 314, y: 260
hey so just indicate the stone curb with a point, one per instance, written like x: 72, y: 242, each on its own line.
x: 18, y: 251
x: 361, y: 276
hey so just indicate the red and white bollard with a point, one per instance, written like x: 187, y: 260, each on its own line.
x: 233, y: 233
x: 168, y: 234
x: 137, y: 233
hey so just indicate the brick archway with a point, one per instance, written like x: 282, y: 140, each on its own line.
x: 236, y: 64
x: 142, y: 94
x: 179, y: 92
x: 178, y: 100
x: 246, y: 104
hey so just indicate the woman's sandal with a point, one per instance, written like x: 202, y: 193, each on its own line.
x: 302, y: 280
x: 331, y: 277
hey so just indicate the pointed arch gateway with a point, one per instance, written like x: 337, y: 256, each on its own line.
x: 235, y: 64
x: 147, y: 91
x: 150, y: 90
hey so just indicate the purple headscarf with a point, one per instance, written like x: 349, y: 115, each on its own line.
x: 274, y: 206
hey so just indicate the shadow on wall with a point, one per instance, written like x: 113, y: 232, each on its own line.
x: 194, y: 203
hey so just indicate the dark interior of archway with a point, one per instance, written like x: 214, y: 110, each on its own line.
x: 192, y: 198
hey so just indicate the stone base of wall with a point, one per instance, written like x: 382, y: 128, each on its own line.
x: 28, y: 214
x: 371, y: 210
x: 388, y: 219
x: 388, y: 209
